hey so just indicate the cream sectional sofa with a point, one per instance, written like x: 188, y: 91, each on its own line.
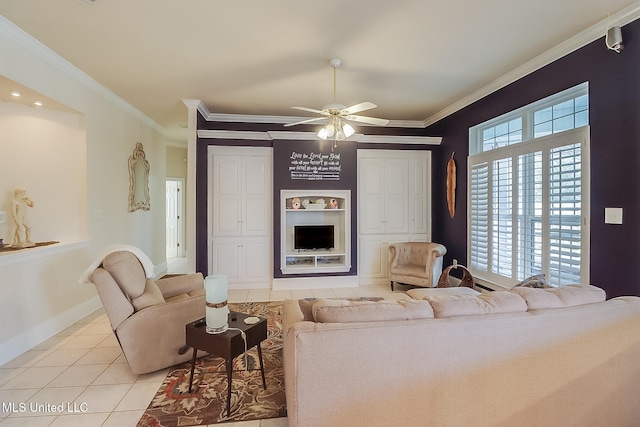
x: 525, y: 357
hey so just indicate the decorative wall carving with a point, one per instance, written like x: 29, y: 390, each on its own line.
x: 139, y: 180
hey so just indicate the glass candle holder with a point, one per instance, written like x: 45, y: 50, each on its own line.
x: 217, y: 311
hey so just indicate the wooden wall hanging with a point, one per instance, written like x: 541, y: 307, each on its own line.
x: 451, y: 186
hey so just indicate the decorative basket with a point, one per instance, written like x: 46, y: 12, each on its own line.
x: 467, y: 278
x: 318, y: 205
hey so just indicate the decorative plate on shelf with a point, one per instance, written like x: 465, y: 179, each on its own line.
x: 314, y: 204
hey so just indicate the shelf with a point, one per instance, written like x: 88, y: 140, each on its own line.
x: 313, y: 210
x: 336, y: 213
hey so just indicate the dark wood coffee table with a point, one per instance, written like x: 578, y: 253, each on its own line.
x: 227, y: 345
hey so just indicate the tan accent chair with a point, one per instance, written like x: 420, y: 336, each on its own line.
x: 416, y: 263
x: 148, y: 317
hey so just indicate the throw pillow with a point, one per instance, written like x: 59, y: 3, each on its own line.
x: 536, y: 281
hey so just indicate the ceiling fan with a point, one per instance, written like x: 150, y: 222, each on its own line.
x: 336, y: 114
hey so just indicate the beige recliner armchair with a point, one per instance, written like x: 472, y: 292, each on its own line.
x: 416, y: 263
x: 148, y: 317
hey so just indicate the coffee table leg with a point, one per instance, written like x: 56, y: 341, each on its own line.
x: 264, y: 382
x: 193, y: 367
x: 229, y: 365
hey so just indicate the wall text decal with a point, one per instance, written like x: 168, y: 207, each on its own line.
x: 314, y: 166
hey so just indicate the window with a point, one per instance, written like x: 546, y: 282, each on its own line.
x: 529, y: 193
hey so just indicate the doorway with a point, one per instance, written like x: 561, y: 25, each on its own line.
x: 175, y: 223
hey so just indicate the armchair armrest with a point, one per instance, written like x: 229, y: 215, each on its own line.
x: 172, y: 286
x: 152, y: 337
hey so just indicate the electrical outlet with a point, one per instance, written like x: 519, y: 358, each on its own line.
x: 455, y: 262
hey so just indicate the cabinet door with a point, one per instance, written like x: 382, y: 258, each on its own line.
x: 227, y: 196
x: 256, y: 196
x: 256, y: 258
x: 226, y: 258
x: 418, y: 196
x: 396, y: 196
x: 371, y: 195
x: 373, y: 260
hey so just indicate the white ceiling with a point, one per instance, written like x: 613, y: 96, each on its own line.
x: 414, y: 58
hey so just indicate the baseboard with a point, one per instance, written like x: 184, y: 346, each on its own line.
x: 17, y: 345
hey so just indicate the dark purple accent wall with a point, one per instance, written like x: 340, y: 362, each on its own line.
x: 281, y: 153
x: 282, y: 181
x: 614, y: 116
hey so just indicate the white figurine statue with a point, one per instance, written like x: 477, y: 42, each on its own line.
x: 19, y: 206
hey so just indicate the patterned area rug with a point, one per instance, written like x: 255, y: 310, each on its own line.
x: 174, y: 406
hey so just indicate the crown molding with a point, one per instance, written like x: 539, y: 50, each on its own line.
x: 233, y: 134
x: 596, y: 31
x: 283, y: 120
x: 13, y: 32
x: 312, y: 136
x: 396, y: 139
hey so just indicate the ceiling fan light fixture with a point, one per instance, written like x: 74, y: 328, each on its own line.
x: 324, y: 132
x: 348, y: 130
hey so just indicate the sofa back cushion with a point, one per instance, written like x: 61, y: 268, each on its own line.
x: 563, y: 296
x: 344, y: 311
x: 466, y: 304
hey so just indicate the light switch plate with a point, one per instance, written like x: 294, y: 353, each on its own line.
x: 3, y: 217
x: 613, y: 215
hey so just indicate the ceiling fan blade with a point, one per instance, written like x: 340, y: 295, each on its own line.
x: 305, y: 121
x: 311, y: 110
x: 368, y: 120
x: 358, y: 107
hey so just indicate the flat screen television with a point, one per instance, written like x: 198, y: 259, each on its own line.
x: 309, y: 237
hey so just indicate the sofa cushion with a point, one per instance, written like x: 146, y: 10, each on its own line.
x: 306, y: 305
x: 345, y: 311
x: 429, y: 292
x: 466, y: 304
x: 563, y: 296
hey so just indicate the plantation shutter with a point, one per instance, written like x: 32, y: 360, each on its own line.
x: 565, y: 215
x: 479, y: 226
x: 526, y: 210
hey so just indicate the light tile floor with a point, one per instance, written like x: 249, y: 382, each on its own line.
x: 83, y: 370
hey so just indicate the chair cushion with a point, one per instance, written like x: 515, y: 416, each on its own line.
x: 150, y: 296
x: 345, y: 311
x: 127, y: 271
x: 465, y: 304
x: 563, y: 296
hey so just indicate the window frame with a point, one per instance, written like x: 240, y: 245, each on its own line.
x: 513, y: 152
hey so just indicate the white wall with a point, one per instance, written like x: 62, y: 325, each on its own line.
x: 44, y: 152
x: 39, y: 289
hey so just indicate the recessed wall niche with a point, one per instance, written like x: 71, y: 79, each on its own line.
x: 44, y: 151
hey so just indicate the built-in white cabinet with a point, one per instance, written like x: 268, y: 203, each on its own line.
x: 240, y: 215
x: 384, y: 195
x: 393, y: 206
x: 315, y: 231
